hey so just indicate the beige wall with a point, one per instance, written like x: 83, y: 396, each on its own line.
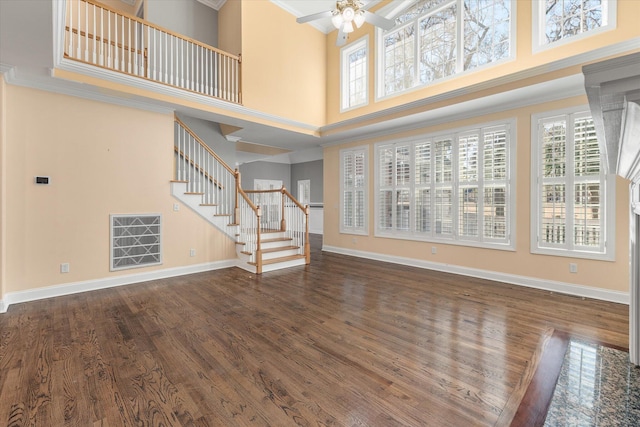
x: 598, y: 274
x: 283, y: 64
x: 627, y: 28
x: 3, y: 184
x: 102, y: 159
x: 230, y: 27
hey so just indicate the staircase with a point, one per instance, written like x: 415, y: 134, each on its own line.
x: 270, y: 228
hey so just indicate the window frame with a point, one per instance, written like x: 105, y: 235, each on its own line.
x: 432, y: 235
x: 608, y: 185
x: 364, y: 230
x: 539, y: 43
x: 345, y: 82
x: 395, y: 9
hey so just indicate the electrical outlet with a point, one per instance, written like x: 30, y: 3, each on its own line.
x: 573, y: 267
x: 192, y: 252
x: 176, y: 207
x: 434, y: 250
x: 64, y: 267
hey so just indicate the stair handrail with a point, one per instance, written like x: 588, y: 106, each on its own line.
x: 202, y: 169
x: 292, y: 230
x: 305, y: 210
x: 258, y: 214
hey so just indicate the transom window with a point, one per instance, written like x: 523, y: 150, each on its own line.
x: 435, y: 39
x: 558, y: 20
x: 452, y: 187
x: 570, y: 203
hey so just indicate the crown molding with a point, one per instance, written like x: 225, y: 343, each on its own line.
x: 213, y: 4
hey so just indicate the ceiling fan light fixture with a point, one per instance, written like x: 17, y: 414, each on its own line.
x: 337, y: 20
x: 348, y: 14
x: 347, y: 27
x: 359, y: 18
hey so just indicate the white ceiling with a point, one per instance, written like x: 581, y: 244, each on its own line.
x: 300, y: 8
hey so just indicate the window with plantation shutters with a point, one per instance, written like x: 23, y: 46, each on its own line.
x: 354, y: 189
x: 453, y: 187
x: 570, y: 200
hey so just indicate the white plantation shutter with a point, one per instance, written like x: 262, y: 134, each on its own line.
x: 354, y: 188
x: 452, y: 187
x: 570, y: 192
x: 443, y: 158
x: 495, y: 166
x: 468, y: 206
x: 422, y: 187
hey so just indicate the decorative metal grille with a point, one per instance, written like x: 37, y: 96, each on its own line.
x: 135, y: 241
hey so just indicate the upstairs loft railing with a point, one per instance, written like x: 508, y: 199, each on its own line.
x: 204, y: 172
x: 101, y: 36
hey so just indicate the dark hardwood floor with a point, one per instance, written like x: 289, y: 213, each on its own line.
x: 341, y: 342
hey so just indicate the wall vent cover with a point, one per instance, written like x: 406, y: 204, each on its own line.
x: 135, y: 241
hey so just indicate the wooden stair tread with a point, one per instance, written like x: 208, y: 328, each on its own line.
x: 208, y: 204
x: 222, y: 215
x: 281, y: 259
x: 277, y: 239
x: 194, y: 193
x: 179, y: 181
x: 279, y: 249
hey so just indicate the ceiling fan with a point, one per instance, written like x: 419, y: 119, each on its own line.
x: 346, y: 14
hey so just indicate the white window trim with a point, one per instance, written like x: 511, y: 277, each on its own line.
x: 510, y: 244
x: 538, y: 32
x: 344, y: 81
x: 390, y: 12
x: 609, y: 199
x: 364, y: 231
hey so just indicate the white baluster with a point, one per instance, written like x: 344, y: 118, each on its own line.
x: 115, y: 46
x: 137, y: 49
x: 122, y: 54
x: 79, y: 44
x: 101, y: 56
x: 86, y: 32
x: 95, y: 36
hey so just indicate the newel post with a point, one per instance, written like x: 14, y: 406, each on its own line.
x: 307, y: 244
x: 258, y: 247
x: 283, y: 222
x: 236, y: 210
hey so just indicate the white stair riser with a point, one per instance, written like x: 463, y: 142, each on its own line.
x: 280, y: 244
x: 279, y: 254
x: 281, y: 265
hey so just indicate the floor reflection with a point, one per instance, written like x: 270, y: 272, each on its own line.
x: 597, y: 387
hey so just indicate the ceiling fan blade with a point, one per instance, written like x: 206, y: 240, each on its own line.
x: 368, y: 4
x: 342, y: 38
x: 378, y: 21
x: 314, y: 16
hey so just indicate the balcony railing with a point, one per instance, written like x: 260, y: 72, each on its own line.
x: 100, y: 36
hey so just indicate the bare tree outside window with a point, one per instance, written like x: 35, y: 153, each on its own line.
x: 567, y: 18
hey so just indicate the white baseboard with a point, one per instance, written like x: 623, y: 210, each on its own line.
x: 531, y: 282
x: 109, y: 282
